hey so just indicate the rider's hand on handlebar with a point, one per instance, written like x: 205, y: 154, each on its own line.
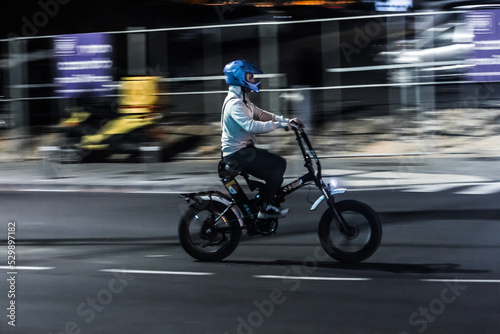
x: 298, y: 122
x: 294, y: 123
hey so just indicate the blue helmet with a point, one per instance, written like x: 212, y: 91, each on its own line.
x: 235, y: 71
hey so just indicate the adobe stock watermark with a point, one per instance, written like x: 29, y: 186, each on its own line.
x: 220, y: 10
x: 89, y: 309
x: 363, y: 36
x: 264, y: 309
x: 32, y: 25
x: 428, y: 314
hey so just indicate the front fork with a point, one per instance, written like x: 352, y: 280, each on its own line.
x: 329, y: 191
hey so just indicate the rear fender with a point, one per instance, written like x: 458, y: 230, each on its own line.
x: 216, y: 196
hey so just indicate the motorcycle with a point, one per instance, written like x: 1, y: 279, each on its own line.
x: 349, y: 231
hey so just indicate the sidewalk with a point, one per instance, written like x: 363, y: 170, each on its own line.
x: 352, y: 153
x: 357, y: 173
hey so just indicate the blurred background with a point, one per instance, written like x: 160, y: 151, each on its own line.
x: 403, y: 95
x: 98, y: 79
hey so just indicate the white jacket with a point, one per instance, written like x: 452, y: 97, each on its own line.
x: 241, y: 122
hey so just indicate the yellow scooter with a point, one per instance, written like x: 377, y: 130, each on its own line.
x: 92, y: 133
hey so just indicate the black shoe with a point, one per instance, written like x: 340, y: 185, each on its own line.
x: 272, y: 212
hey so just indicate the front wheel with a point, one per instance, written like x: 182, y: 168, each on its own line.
x: 203, y: 237
x: 361, y: 237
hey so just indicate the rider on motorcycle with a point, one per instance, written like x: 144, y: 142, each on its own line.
x: 241, y: 121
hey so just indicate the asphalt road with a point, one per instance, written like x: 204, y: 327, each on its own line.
x: 111, y: 263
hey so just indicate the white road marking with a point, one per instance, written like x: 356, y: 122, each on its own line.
x: 155, y: 272
x: 309, y: 278
x: 431, y: 188
x: 406, y: 181
x: 418, y: 178
x: 458, y: 280
x: 482, y: 189
x: 157, y: 255
x: 340, y: 172
x: 25, y: 268
x: 33, y: 190
x: 282, y: 277
x: 109, y: 190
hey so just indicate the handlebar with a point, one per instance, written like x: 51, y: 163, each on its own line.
x: 294, y: 124
x: 302, y: 139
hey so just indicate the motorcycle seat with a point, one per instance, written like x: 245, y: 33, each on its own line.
x: 228, y: 169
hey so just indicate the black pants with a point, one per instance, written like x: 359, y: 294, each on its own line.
x: 263, y: 165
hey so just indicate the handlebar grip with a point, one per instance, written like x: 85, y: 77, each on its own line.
x: 297, y: 124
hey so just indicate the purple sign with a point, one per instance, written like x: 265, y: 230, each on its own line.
x: 485, y: 61
x: 83, y: 64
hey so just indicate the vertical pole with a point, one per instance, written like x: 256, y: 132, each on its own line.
x: 212, y: 65
x: 398, y: 103
x: 136, y: 53
x: 330, y: 42
x: 426, y: 93
x: 18, y: 76
x: 332, y: 98
x: 269, y: 63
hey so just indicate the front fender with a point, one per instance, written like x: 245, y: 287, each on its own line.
x: 322, y: 197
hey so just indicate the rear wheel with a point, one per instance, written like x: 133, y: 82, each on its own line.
x: 359, y: 241
x: 205, y: 239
